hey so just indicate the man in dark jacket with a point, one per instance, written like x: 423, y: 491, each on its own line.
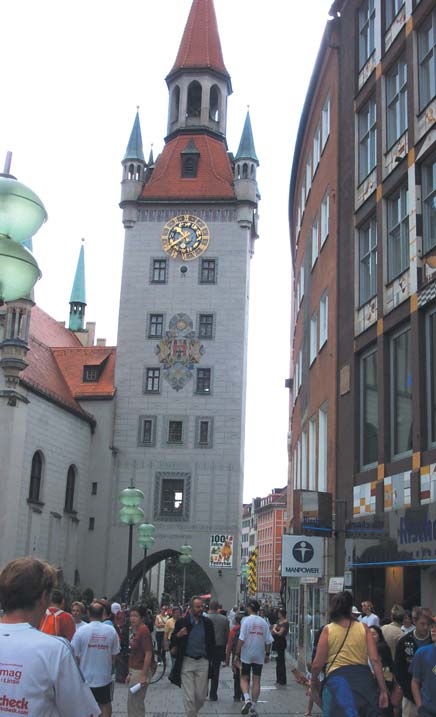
x: 193, y: 642
x: 406, y: 648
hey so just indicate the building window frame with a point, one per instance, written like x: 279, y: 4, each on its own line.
x: 313, y: 337
x: 155, y: 326
x: 323, y: 319
x: 203, y: 381
x: 152, y: 380
x: 367, y: 139
x: 397, y: 415
x: 170, y: 481
x: 314, y: 241
x: 158, y: 270
x: 203, y: 437
x: 147, y: 430
x: 428, y: 202
x: 208, y: 270
x: 325, y: 218
x: 312, y: 453
x: 426, y: 36
x: 366, y: 32
x: 206, y: 326
x: 397, y: 210
x: 367, y: 244
x: 70, y: 489
x: 36, y: 477
x: 393, y: 8
x: 316, y: 149
x: 364, y: 405
x: 322, y: 448
x: 325, y: 122
x: 396, y: 102
x: 175, y: 431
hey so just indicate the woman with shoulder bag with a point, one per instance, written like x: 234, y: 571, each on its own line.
x: 344, y: 648
x: 279, y: 632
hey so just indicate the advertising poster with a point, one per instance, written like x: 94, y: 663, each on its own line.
x: 221, y: 551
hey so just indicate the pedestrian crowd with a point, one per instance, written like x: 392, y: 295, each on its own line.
x: 54, y: 662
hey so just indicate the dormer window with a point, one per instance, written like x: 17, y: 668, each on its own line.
x: 190, y: 156
x: 91, y: 374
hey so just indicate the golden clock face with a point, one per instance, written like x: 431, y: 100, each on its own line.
x: 185, y: 236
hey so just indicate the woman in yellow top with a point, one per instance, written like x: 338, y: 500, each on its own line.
x: 344, y: 648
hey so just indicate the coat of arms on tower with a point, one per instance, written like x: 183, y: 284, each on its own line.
x: 179, y: 351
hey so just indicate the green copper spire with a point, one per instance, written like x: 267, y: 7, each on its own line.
x: 78, y: 295
x: 246, y: 146
x: 134, y: 148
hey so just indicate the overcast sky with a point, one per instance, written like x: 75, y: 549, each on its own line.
x: 72, y: 76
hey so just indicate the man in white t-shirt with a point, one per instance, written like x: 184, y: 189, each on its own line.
x: 369, y: 617
x: 95, y: 646
x: 252, y: 651
x: 38, y: 673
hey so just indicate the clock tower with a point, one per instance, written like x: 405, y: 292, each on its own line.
x: 190, y: 220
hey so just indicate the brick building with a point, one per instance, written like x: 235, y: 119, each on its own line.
x: 271, y: 521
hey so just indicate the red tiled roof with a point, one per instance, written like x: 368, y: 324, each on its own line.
x: 71, y: 362
x: 200, y: 46
x: 54, y: 376
x: 214, y: 178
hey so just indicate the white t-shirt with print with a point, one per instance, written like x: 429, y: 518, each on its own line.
x: 94, y: 645
x: 39, y: 676
x: 255, y: 634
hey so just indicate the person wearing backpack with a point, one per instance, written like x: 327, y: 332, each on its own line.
x: 56, y: 621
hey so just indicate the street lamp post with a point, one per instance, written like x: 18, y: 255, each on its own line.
x: 146, y: 541
x: 185, y: 558
x: 130, y: 514
x: 244, y: 574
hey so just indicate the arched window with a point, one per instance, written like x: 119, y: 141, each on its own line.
x: 69, y: 493
x: 131, y: 173
x: 175, y: 104
x: 138, y: 172
x: 36, y: 477
x: 214, y: 103
x: 194, y: 99
x: 252, y: 170
x: 245, y: 171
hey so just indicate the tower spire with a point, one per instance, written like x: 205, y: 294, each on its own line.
x: 78, y: 295
x: 134, y: 148
x: 246, y: 149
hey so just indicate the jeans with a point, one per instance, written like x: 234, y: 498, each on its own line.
x: 281, y: 667
x: 219, y: 655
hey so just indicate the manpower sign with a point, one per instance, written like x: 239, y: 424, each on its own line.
x: 302, y: 556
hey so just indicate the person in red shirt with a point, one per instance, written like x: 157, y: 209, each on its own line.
x: 56, y: 621
x: 141, y: 661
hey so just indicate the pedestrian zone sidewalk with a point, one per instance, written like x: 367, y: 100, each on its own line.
x: 164, y: 699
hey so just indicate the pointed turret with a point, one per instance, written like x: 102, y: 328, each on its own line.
x: 133, y: 172
x: 245, y: 167
x: 134, y: 148
x: 199, y: 83
x: 78, y: 296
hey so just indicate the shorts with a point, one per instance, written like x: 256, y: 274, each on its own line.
x: 247, y: 667
x: 103, y: 695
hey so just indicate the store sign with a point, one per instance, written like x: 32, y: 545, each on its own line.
x: 221, y: 551
x: 302, y: 556
x: 336, y: 585
x: 313, y: 512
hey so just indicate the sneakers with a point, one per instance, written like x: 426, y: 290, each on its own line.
x: 253, y: 711
x: 246, y: 707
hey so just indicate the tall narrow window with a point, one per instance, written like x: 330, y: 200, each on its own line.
x: 325, y: 211
x: 308, y: 174
x: 323, y: 318
x: 366, y: 31
x: 427, y: 60
x: 159, y: 271
x: 155, y: 326
x: 401, y: 393
x: 36, y: 477
x: 146, y: 430
x: 398, y: 233
x: 175, y: 431
x: 431, y: 377
x: 325, y: 122
x: 429, y: 205
x: 152, y: 380
x: 172, y: 497
x: 393, y: 7
x: 368, y: 429
x: 175, y: 104
x: 304, y: 460
x: 313, y: 337
x: 69, y: 492
x: 368, y: 261
x: 194, y: 99
x: 316, y: 148
x: 208, y: 271
x: 312, y: 453
x: 205, y: 326
x: 367, y: 139
x: 203, y: 380
x: 396, y: 102
x: 315, y: 241
x: 322, y: 449
x: 214, y: 105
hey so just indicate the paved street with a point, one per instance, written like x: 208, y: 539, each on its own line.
x: 165, y: 699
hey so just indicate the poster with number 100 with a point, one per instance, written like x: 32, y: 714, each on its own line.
x: 221, y: 551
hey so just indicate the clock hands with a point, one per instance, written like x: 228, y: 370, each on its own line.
x: 183, y: 237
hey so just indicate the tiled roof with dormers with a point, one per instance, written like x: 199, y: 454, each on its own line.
x: 72, y: 361
x: 214, y: 178
x: 200, y: 46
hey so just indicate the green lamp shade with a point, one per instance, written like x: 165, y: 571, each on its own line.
x: 21, y: 210
x: 131, y: 497
x: 131, y: 515
x: 19, y: 271
x: 186, y: 550
x: 146, y: 541
x: 146, y: 529
x: 244, y: 570
x: 185, y: 559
